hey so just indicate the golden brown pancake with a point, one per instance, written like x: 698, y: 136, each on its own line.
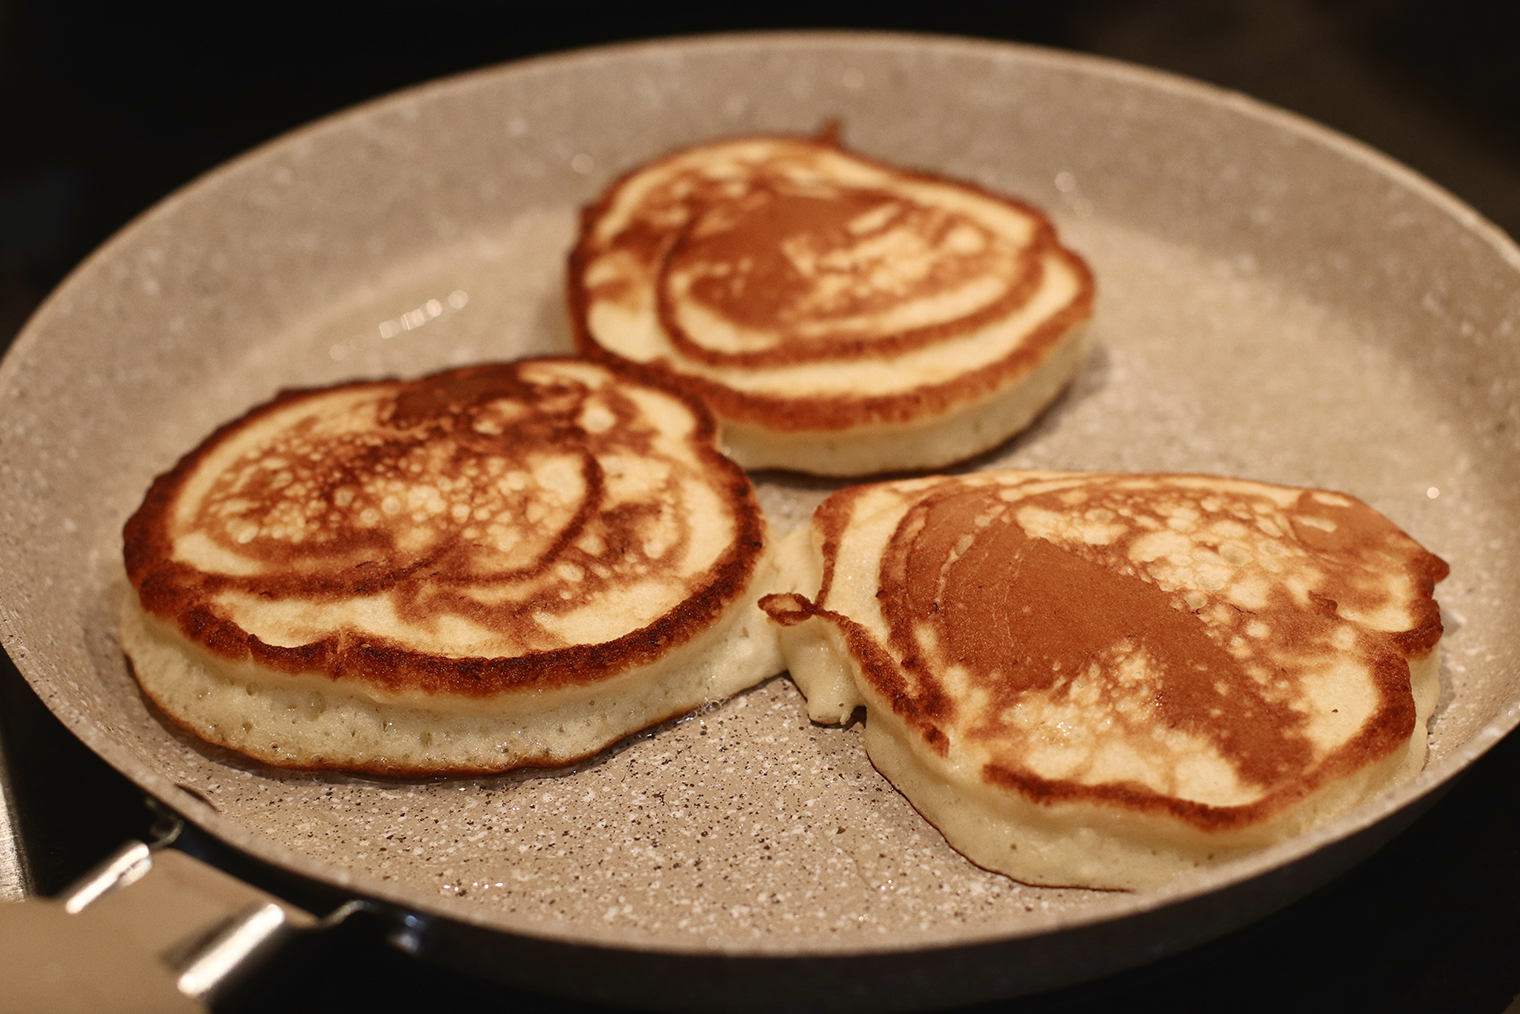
x: 494, y: 566
x: 840, y: 316
x: 1106, y: 680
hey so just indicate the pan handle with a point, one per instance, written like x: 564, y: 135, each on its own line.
x: 149, y: 928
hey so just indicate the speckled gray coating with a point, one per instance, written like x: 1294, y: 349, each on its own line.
x: 1274, y: 302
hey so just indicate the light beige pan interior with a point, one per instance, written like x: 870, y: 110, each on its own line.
x: 1275, y: 301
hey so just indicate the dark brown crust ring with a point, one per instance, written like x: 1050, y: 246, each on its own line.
x: 174, y: 592
x: 918, y: 700
x: 824, y: 349
x: 843, y: 412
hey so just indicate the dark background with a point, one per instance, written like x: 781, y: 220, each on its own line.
x: 104, y: 110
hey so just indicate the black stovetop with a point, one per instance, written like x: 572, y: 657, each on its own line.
x: 108, y: 110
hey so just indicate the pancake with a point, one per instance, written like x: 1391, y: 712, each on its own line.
x: 1103, y: 680
x: 840, y: 316
x: 491, y: 567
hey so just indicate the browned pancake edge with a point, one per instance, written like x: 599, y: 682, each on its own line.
x: 1077, y: 606
x: 821, y: 413
x: 177, y: 594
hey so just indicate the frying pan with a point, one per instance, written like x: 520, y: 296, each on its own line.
x: 1275, y: 301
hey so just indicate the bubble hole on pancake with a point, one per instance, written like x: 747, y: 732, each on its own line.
x: 490, y: 567
x: 840, y: 317
x: 1102, y: 680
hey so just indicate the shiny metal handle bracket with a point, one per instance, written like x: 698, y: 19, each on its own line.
x: 148, y: 928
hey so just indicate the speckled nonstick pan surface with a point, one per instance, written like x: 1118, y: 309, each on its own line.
x: 1275, y: 301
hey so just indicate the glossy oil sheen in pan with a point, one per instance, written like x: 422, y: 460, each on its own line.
x: 1274, y: 302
